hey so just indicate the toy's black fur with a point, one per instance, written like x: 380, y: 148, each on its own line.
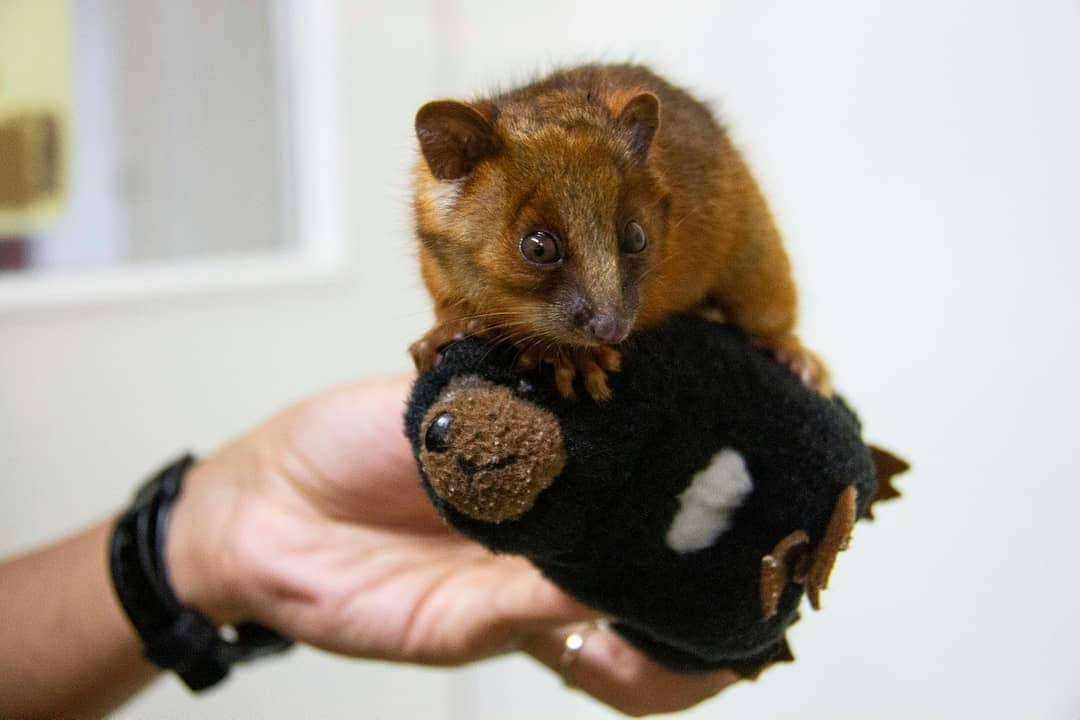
x: 687, y: 390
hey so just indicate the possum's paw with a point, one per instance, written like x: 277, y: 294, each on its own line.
x: 802, y: 362
x: 591, y: 363
x: 425, y: 351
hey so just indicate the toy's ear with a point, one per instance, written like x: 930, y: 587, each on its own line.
x: 454, y: 137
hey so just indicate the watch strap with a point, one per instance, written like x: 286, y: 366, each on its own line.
x: 175, y: 637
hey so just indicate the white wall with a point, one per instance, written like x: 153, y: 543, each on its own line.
x: 201, y: 137
x: 923, y: 161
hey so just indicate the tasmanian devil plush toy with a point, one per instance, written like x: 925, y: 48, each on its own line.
x: 695, y: 507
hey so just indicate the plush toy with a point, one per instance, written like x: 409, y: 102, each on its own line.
x: 695, y: 507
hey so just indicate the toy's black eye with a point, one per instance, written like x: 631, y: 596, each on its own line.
x: 634, y: 239
x: 438, y: 433
x: 540, y: 247
x: 524, y: 387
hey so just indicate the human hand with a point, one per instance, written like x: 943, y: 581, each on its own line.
x: 315, y: 524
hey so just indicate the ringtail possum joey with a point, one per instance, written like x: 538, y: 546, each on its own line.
x: 566, y: 214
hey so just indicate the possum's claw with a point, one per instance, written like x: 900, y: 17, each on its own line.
x: 801, y: 361
x: 591, y: 363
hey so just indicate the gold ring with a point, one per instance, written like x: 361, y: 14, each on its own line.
x: 572, y: 646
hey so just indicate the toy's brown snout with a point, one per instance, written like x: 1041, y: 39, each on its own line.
x: 489, y: 452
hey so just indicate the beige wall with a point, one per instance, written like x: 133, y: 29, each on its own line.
x: 922, y: 158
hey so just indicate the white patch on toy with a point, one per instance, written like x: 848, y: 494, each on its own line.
x: 706, y: 506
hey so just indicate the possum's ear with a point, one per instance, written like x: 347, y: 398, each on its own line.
x: 454, y: 137
x: 641, y: 116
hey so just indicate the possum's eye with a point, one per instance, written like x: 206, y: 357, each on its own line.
x: 634, y: 239
x: 540, y: 247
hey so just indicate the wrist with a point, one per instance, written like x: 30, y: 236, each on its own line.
x: 172, y: 582
x: 200, y: 563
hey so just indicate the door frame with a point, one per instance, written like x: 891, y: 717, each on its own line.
x: 305, y: 34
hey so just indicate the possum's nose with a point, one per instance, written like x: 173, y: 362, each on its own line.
x: 602, y: 321
x: 608, y: 329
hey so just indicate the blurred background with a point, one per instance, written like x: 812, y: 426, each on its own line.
x: 204, y: 216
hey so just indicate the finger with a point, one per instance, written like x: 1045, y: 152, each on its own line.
x: 610, y: 670
x: 345, y: 451
x: 529, y: 602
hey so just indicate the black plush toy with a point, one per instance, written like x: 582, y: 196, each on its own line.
x: 695, y: 507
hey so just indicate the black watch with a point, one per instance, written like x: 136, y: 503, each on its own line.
x: 175, y: 637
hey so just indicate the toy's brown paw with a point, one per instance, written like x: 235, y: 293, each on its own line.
x: 425, y: 351
x: 791, y: 560
x: 592, y: 364
x: 785, y: 562
x: 802, y: 362
x: 837, y: 538
x: 886, y: 466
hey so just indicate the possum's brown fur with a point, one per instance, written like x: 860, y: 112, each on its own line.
x: 579, y: 154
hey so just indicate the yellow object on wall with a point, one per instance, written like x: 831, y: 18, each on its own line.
x: 35, y: 111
